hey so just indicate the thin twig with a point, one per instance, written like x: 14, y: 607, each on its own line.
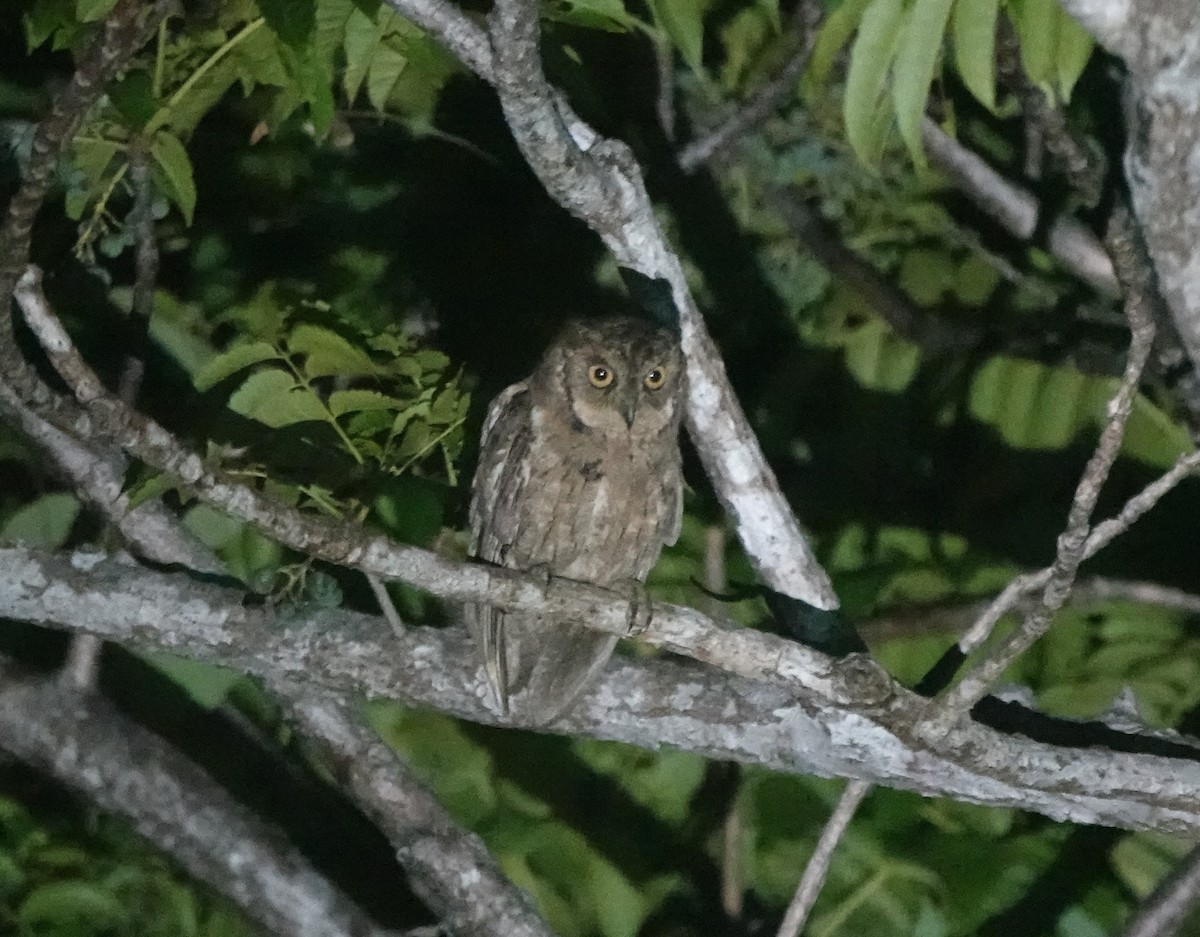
x: 733, y: 882
x: 818, y: 864
x: 802, y: 30
x: 386, y: 605
x: 128, y: 27
x: 1017, y: 211
x: 664, y: 103
x: 1073, y: 542
x: 956, y: 617
x: 145, y: 282
x: 82, y: 666
x: 1164, y: 911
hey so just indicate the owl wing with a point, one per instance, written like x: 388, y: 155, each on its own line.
x: 671, y: 497
x: 496, y: 492
x: 502, y: 474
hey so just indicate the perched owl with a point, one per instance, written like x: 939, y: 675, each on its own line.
x: 579, y: 476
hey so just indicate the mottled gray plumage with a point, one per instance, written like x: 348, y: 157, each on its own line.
x: 579, y: 476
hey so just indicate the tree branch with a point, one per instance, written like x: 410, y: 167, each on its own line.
x: 1164, y: 911
x: 818, y: 864
x: 1073, y: 541
x: 96, y: 472
x: 1159, y: 42
x: 448, y: 867
x: 1017, y: 211
x: 780, y: 725
x: 802, y: 30
x: 85, y: 743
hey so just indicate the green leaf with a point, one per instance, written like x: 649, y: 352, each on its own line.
x: 92, y: 156
x: 291, y: 20
x: 151, y: 488
x: 1036, y: 22
x: 384, y: 73
x: 361, y: 39
x: 171, y: 157
x: 326, y: 353
x: 45, y: 522
x: 609, y: 15
x: 315, y: 82
x: 771, y: 9
x: 1075, y: 47
x: 273, y: 397
x: 880, y: 360
x: 228, y: 363
x: 46, y: 18
x: 70, y: 908
x: 208, y: 686
x: 354, y: 400
x: 683, y: 21
x: 974, y: 29
x: 913, y: 70
x: 1054, y: 48
x: 835, y: 32
x: 92, y: 11
x: 865, y: 107
x: 133, y: 96
x: 1083, y: 700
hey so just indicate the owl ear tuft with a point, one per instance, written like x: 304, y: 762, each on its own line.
x: 653, y: 296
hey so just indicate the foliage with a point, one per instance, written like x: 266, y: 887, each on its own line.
x: 62, y: 875
x: 350, y: 247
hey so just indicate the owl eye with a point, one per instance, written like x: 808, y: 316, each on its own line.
x: 656, y: 378
x: 600, y: 376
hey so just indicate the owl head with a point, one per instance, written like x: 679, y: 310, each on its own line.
x: 615, y: 376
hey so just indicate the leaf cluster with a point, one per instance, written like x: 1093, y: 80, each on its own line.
x: 63, y: 876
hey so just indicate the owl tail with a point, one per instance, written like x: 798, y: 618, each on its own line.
x: 550, y: 665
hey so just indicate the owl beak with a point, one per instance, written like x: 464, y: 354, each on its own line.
x: 627, y: 410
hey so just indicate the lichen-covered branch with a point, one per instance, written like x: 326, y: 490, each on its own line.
x: 775, y: 722
x: 448, y: 867
x: 86, y: 744
x: 1159, y: 42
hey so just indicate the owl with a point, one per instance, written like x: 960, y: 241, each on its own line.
x: 579, y: 476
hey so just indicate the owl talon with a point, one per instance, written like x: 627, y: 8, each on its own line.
x: 543, y: 574
x: 641, y: 611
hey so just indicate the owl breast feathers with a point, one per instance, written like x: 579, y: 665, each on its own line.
x: 579, y: 476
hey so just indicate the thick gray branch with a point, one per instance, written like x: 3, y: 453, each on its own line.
x: 782, y: 725
x: 87, y: 745
x: 448, y: 867
x: 1159, y: 41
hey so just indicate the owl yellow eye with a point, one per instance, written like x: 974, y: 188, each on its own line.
x: 656, y: 378
x: 600, y: 376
